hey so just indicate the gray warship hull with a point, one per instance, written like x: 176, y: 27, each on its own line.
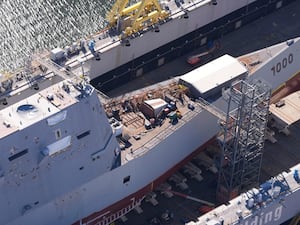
x: 127, y: 184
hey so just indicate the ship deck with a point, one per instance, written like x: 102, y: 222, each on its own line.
x: 141, y: 131
x: 137, y: 138
x: 278, y: 157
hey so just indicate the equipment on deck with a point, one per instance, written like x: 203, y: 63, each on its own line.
x: 136, y: 17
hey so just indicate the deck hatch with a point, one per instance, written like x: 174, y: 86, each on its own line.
x: 84, y: 134
x: 126, y: 179
x: 17, y: 155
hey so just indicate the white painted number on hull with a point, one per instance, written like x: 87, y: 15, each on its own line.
x: 283, y: 64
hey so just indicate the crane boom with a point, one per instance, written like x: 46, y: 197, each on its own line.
x: 114, y: 13
x: 136, y: 17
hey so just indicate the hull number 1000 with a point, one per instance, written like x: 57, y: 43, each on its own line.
x: 283, y: 64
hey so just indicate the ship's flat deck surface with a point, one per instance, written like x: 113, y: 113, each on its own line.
x: 134, y: 121
x: 136, y: 139
x: 274, y: 28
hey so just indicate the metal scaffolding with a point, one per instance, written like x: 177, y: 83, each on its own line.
x: 242, y: 138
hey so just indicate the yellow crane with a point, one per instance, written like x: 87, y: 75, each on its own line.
x: 136, y: 17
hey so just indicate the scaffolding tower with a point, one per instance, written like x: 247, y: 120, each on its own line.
x: 242, y: 138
